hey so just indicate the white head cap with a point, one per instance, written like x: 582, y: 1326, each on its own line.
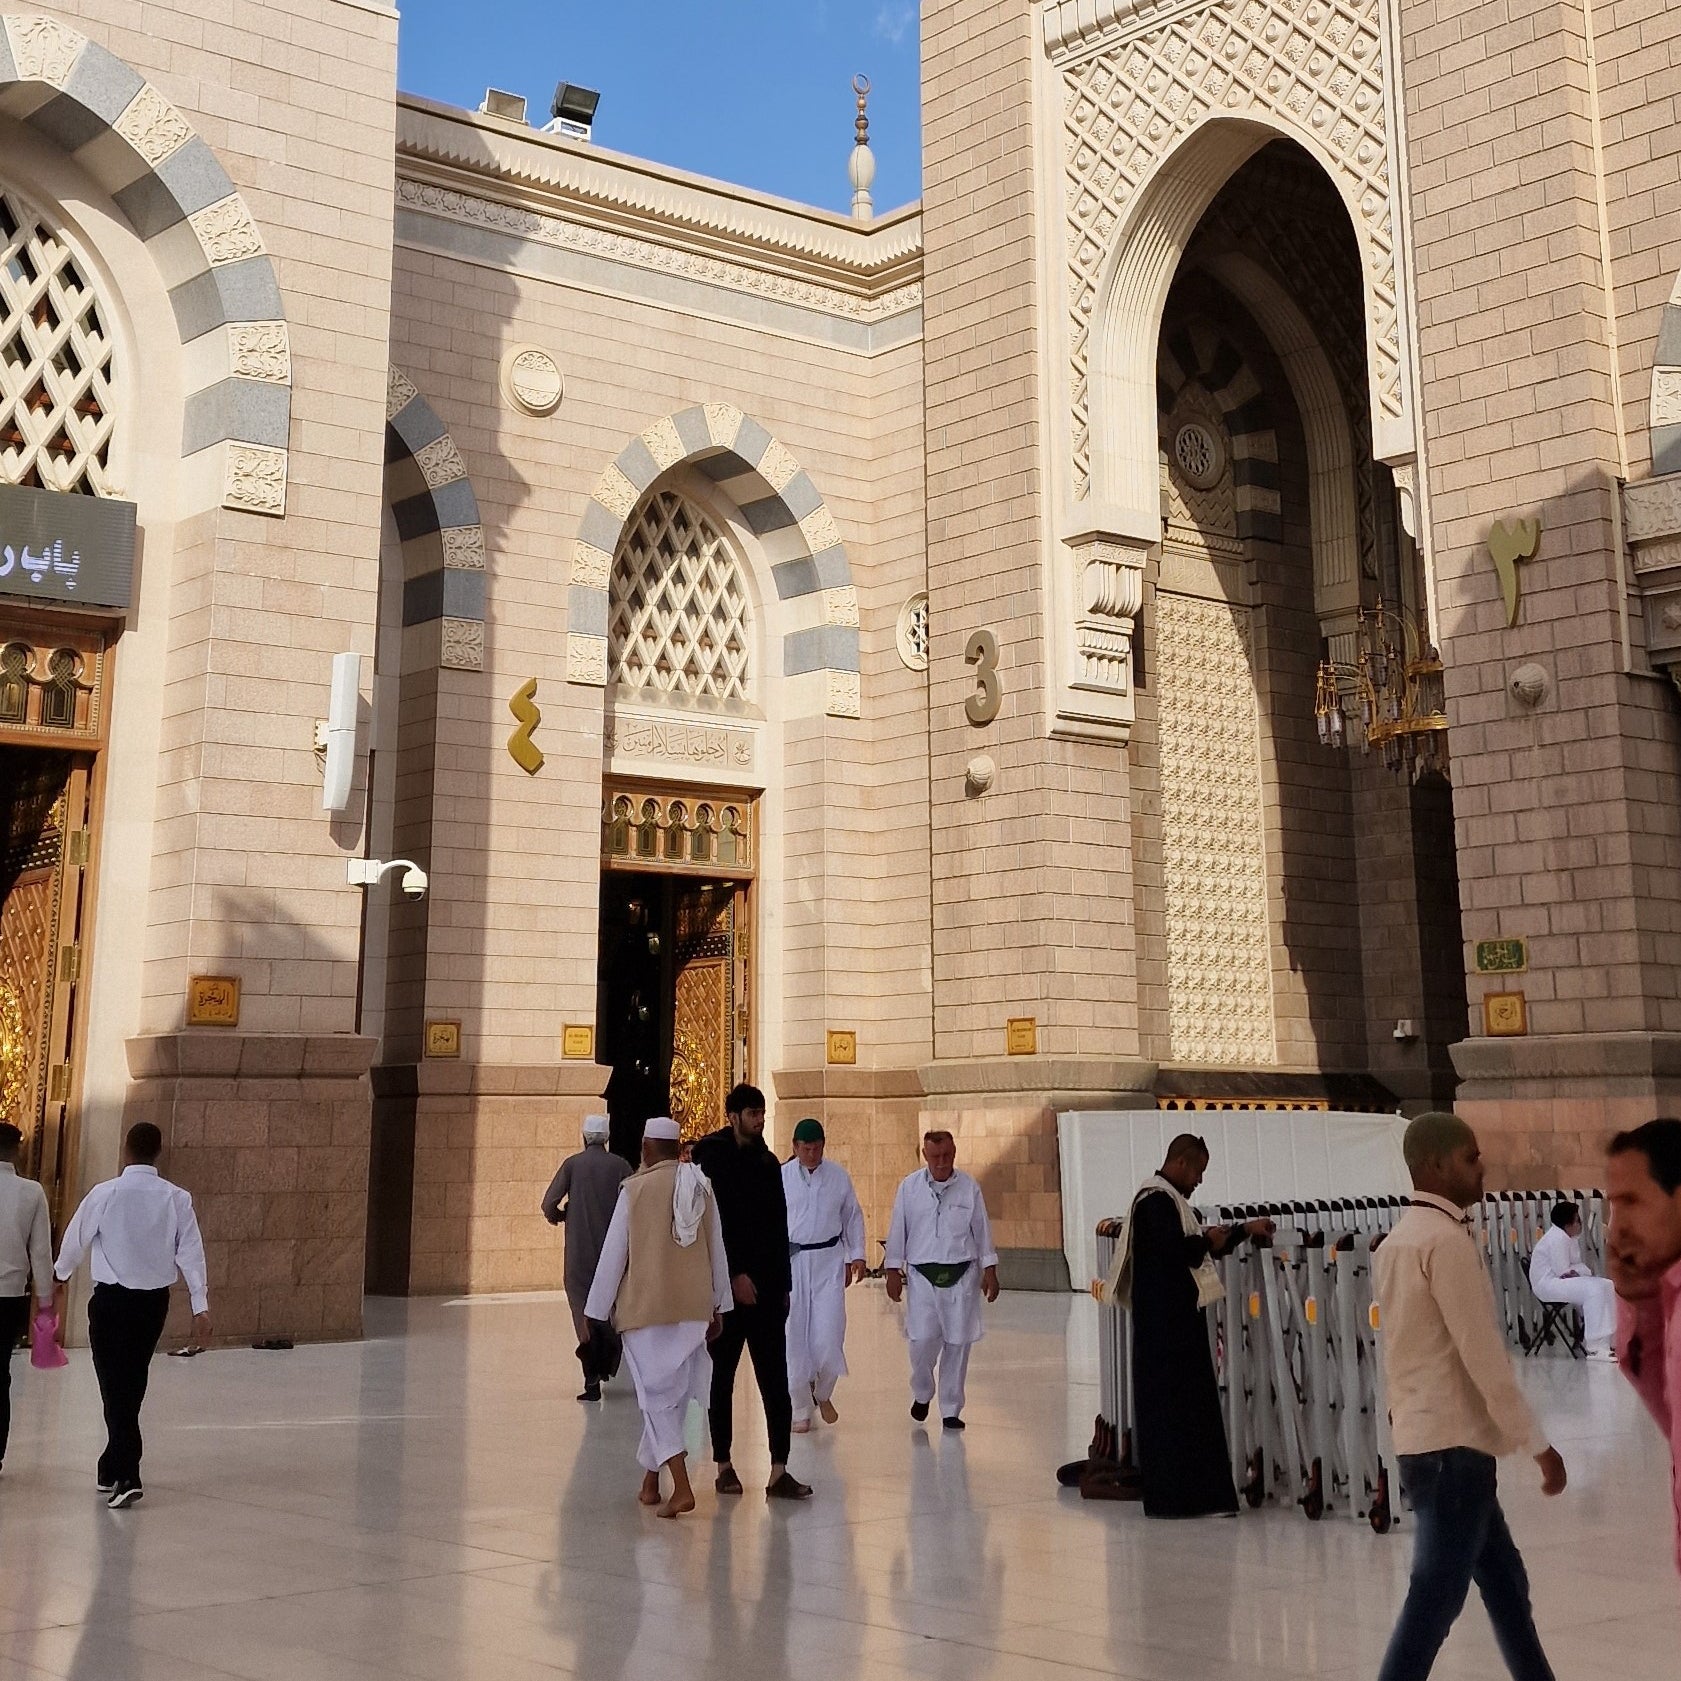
x: 595, y: 1126
x: 662, y: 1126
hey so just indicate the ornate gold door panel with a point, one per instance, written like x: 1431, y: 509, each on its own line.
x: 709, y: 1021
x: 43, y: 856
x: 702, y: 850
x: 55, y: 677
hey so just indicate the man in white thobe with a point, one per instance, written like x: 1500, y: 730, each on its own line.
x: 939, y: 1244
x: 1557, y: 1273
x: 663, y: 1283
x: 826, y: 1257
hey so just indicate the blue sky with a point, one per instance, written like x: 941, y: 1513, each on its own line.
x: 752, y: 91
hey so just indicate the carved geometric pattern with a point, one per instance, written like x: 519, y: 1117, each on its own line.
x: 226, y: 231
x: 399, y: 393
x: 679, y: 621
x: 846, y: 695
x: 256, y: 479
x: 152, y: 126
x: 912, y: 632
x: 1197, y: 511
x: 464, y: 547
x: 440, y: 462
x: 1314, y: 65
x: 260, y: 350
x: 56, y: 408
x: 43, y: 49
x: 462, y: 647
x: 1219, y: 962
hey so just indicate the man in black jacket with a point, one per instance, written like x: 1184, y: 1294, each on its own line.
x: 747, y: 1179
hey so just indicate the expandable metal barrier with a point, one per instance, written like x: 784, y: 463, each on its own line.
x: 1298, y: 1345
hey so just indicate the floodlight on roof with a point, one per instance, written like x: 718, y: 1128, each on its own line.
x: 573, y: 111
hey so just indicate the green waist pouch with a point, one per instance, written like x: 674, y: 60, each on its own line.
x: 942, y: 1274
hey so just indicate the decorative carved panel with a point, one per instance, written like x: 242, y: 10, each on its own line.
x: 1219, y: 947
x: 1136, y: 87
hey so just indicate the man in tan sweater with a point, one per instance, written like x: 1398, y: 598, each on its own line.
x: 663, y: 1282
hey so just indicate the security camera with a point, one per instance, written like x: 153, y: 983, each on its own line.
x: 413, y: 883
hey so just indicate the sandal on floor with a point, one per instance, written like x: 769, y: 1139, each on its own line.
x: 727, y: 1482
x: 788, y: 1487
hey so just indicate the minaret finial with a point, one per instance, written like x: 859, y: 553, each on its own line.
x: 862, y: 169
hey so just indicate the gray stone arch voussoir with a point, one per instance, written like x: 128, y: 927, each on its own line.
x: 1665, y: 419
x: 195, y: 225
x: 780, y: 504
x: 437, y: 518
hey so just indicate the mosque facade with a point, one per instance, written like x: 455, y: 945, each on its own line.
x: 1183, y: 616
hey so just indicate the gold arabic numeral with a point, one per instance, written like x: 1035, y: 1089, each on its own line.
x: 982, y: 653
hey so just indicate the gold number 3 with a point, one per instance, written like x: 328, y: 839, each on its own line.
x: 982, y: 653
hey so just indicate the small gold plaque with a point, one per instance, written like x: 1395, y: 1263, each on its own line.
x: 1021, y: 1035
x: 578, y: 1043
x: 1502, y: 957
x: 1505, y: 1015
x: 443, y: 1038
x: 213, y: 1001
x: 843, y: 1046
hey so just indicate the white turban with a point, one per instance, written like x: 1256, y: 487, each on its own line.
x: 595, y: 1126
x: 662, y: 1126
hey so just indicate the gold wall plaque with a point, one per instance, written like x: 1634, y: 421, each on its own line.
x: 843, y: 1046
x: 1021, y: 1035
x: 213, y: 1001
x: 521, y: 748
x: 1505, y: 1015
x: 1509, y: 546
x: 1502, y: 957
x: 443, y: 1038
x: 578, y: 1043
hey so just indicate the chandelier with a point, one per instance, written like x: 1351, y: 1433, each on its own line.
x: 1393, y: 691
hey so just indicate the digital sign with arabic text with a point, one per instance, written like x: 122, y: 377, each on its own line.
x: 78, y: 550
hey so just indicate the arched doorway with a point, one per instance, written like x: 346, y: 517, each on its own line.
x: 1298, y: 896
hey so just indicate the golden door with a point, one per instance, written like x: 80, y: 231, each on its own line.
x: 710, y: 1017
x: 43, y: 857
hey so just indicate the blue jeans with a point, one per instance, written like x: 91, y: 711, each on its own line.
x: 1461, y: 1538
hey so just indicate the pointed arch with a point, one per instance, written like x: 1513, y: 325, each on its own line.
x: 781, y: 506
x: 437, y: 517
x: 198, y: 229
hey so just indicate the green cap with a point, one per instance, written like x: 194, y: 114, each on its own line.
x: 809, y: 1132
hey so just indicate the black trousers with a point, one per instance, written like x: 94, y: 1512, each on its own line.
x: 123, y: 1330
x: 14, y: 1320
x: 763, y: 1331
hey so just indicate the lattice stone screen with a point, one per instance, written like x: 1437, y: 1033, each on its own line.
x: 56, y: 408
x: 680, y: 621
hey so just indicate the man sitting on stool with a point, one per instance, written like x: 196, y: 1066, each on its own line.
x: 1557, y: 1273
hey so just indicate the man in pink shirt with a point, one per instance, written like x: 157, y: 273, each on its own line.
x: 1643, y: 1177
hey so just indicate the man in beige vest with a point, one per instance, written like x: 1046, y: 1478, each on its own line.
x: 663, y: 1282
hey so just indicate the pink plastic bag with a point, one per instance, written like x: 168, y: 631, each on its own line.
x: 44, y: 1353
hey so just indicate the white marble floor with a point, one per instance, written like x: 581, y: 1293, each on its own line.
x: 432, y: 1504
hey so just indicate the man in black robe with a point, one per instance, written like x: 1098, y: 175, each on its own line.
x: 1180, y: 1433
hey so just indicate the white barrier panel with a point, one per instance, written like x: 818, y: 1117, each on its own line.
x: 1255, y: 1155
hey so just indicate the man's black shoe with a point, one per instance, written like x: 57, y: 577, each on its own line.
x: 954, y: 1423
x: 124, y: 1494
x: 591, y: 1392
x: 919, y: 1410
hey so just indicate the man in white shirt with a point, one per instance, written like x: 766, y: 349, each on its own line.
x: 26, y: 1259
x: 940, y: 1242
x: 1456, y: 1408
x: 1557, y: 1273
x: 140, y: 1230
x: 826, y: 1254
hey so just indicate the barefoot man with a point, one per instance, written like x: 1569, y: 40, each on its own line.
x: 663, y: 1283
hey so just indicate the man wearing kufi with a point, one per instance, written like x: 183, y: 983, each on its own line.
x: 663, y: 1282
x: 826, y: 1254
x: 940, y: 1262
x: 582, y: 1195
